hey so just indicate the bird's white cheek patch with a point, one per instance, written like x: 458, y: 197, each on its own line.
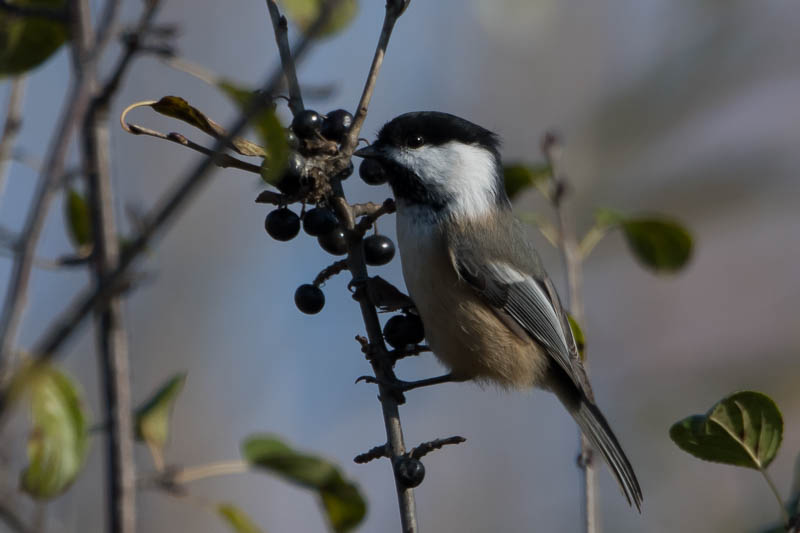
x: 463, y: 173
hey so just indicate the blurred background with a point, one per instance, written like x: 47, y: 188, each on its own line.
x: 691, y: 109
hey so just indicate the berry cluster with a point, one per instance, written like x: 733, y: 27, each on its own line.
x: 311, y: 134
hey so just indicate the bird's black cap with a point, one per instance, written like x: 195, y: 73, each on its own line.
x: 435, y: 128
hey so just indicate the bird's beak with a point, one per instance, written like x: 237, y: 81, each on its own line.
x: 371, y: 151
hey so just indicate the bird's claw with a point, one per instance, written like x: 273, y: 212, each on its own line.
x: 400, y: 386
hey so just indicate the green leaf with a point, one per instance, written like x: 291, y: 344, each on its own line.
x: 269, y: 128
x: 344, y: 505
x: 305, y: 12
x: 577, y: 333
x: 519, y: 177
x: 744, y: 429
x: 79, y: 223
x: 660, y: 244
x: 177, y: 107
x: 237, y: 519
x: 26, y: 42
x: 58, y: 440
x: 153, y: 417
x: 274, y: 137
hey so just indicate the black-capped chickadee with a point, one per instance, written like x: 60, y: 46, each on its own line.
x: 490, y: 311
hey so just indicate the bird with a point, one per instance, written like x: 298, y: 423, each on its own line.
x: 490, y: 312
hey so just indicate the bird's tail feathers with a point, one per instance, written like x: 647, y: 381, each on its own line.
x: 595, y: 427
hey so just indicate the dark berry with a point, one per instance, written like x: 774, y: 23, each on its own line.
x: 290, y: 180
x: 410, y: 472
x: 402, y: 330
x: 319, y: 221
x: 292, y: 140
x: 334, y: 242
x: 306, y: 124
x: 372, y: 172
x: 309, y: 299
x: 336, y: 124
x: 282, y: 224
x: 378, y: 250
x: 346, y: 173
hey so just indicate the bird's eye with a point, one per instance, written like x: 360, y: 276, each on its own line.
x: 415, y: 141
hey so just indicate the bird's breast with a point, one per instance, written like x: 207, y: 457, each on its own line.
x: 463, y: 332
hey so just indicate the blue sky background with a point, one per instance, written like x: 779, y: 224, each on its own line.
x: 686, y: 108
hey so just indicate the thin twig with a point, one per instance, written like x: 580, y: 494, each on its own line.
x: 427, y: 447
x: 12, y: 127
x: 66, y: 324
x: 281, y: 28
x: 330, y: 271
x: 10, y: 518
x: 784, y: 513
x: 222, y: 468
x: 222, y: 160
x: 131, y: 48
x: 591, y: 239
x: 106, y: 26
x: 14, y: 306
x: 67, y: 261
x: 394, y: 8
x: 372, y: 212
x: 58, y: 15
x: 570, y: 251
x: 378, y: 452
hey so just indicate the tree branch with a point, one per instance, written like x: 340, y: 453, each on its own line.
x: 381, y: 361
x: 222, y: 160
x: 282, y: 38
x: 12, y: 127
x: 111, y: 334
x: 394, y: 8
x: 9, y: 517
x: 571, y: 254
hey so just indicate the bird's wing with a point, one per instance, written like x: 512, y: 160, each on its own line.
x: 523, y: 301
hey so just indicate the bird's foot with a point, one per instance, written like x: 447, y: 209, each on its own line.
x: 400, y: 386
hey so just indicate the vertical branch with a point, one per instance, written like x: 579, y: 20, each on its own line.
x: 382, y: 363
x: 382, y: 366
x: 111, y: 335
x: 12, y: 127
x: 380, y: 360
x: 571, y: 255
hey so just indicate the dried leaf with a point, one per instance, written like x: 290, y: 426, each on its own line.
x: 386, y: 296
x: 177, y: 107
